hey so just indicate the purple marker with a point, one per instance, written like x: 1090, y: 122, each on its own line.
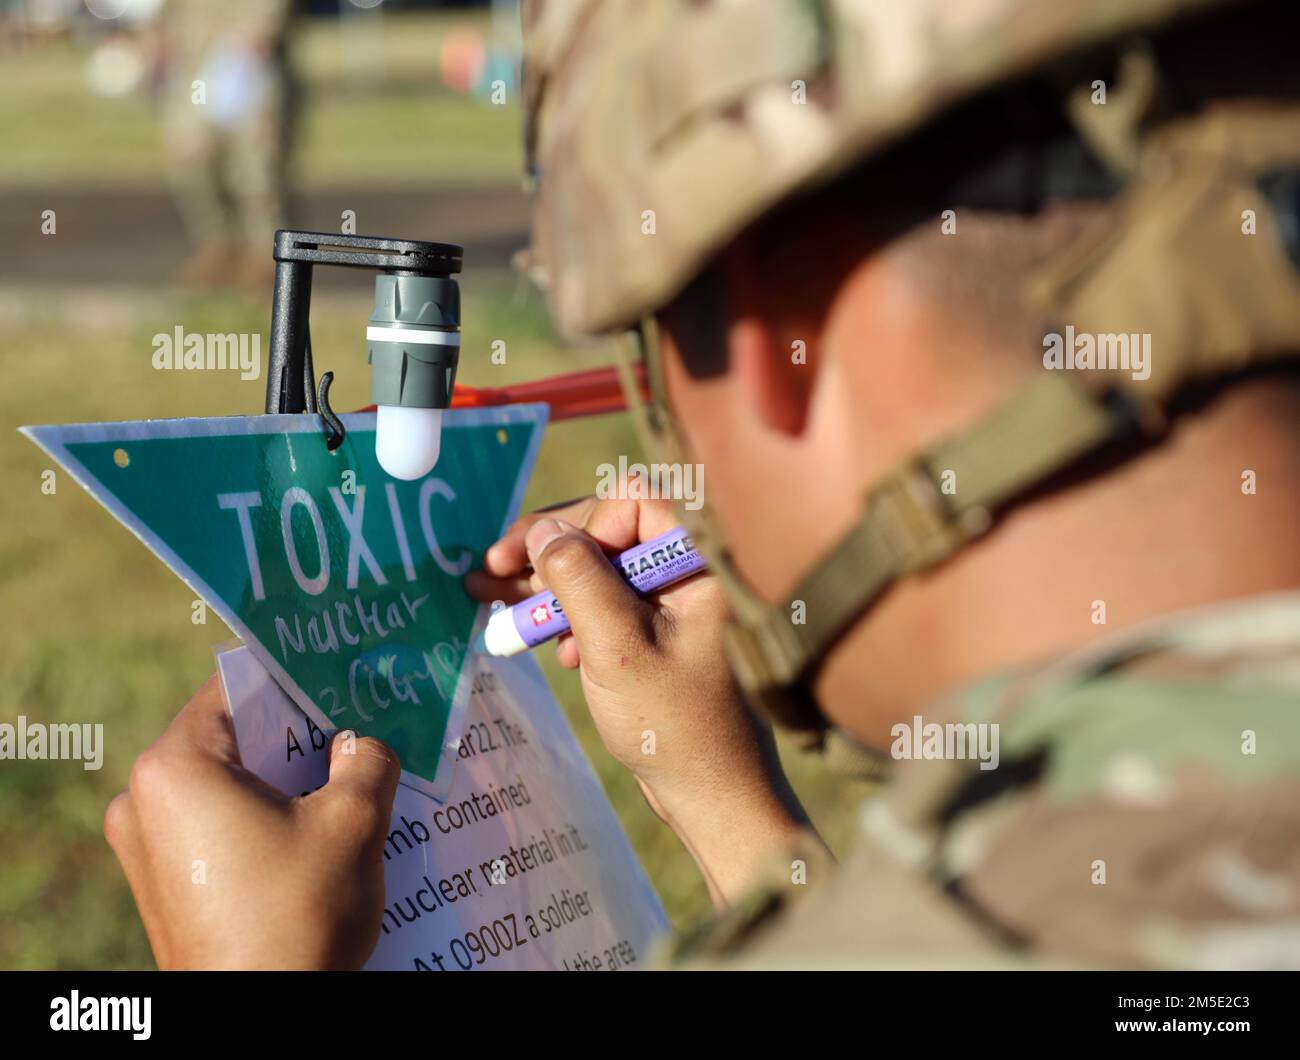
x: 651, y: 565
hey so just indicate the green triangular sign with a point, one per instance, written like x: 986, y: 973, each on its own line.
x: 344, y: 582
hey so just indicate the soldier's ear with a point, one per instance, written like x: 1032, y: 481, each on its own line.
x: 768, y: 359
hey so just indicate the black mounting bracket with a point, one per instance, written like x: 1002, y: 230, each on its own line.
x: 290, y: 378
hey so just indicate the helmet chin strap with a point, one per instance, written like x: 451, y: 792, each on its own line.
x: 912, y: 520
x: 1174, y: 267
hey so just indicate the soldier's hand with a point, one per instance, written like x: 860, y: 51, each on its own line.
x: 229, y: 873
x: 655, y: 678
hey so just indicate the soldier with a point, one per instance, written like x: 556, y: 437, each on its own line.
x: 228, y: 121
x: 1025, y: 278
x: 983, y: 318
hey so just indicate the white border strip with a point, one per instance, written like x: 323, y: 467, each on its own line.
x: 419, y: 338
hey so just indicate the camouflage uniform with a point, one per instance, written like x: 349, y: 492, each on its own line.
x: 229, y: 179
x: 1145, y: 813
x: 1146, y: 809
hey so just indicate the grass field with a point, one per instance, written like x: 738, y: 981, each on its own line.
x: 97, y: 629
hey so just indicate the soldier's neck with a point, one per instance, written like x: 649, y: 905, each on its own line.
x: 1210, y: 515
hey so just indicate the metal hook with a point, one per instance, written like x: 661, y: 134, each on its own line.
x: 334, y: 429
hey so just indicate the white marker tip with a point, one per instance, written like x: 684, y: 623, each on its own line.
x: 501, y: 638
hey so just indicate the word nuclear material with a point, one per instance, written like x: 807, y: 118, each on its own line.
x: 344, y: 582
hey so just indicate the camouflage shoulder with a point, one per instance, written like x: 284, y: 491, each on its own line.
x: 1143, y: 808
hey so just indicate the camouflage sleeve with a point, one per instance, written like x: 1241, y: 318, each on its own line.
x: 782, y: 882
x: 806, y: 912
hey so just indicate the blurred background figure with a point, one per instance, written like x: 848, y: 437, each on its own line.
x: 228, y: 117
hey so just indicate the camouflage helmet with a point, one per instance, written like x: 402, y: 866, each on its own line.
x: 696, y: 116
x: 658, y: 130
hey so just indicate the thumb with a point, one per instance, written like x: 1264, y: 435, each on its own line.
x: 604, y: 612
x: 362, y: 782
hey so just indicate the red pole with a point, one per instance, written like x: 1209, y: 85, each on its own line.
x: 570, y: 395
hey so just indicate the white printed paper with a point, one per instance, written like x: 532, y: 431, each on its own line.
x: 524, y: 865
